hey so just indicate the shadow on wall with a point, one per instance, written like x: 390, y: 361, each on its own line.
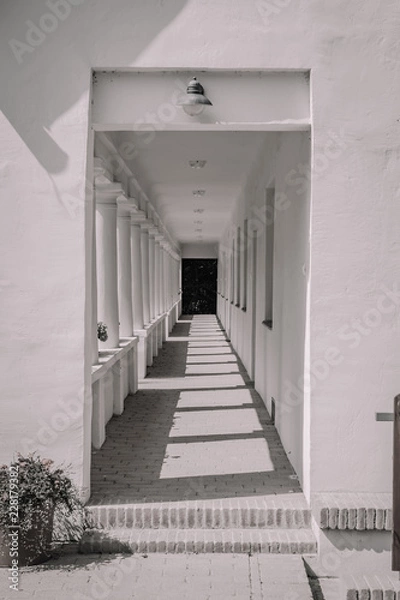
x: 48, y: 49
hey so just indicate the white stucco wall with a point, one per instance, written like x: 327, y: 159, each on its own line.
x: 352, y: 51
x: 280, y: 352
x: 199, y: 251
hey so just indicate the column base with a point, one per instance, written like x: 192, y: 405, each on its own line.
x: 113, y: 379
x: 151, y: 339
x: 142, y: 352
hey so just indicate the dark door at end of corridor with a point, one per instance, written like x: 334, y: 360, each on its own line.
x: 199, y: 286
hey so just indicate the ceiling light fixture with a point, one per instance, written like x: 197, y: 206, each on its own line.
x: 197, y: 164
x: 194, y: 102
x: 198, y: 210
x: 198, y: 193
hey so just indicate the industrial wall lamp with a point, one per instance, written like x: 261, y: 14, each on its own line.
x: 195, y: 100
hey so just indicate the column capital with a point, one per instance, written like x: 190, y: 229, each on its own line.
x: 147, y: 224
x: 134, y: 202
x: 108, y: 193
x: 102, y: 172
x: 138, y: 217
x: 125, y: 207
x: 153, y: 231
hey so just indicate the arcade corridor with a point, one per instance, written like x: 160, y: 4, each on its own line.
x: 196, y: 429
x: 195, y: 450
x: 262, y: 136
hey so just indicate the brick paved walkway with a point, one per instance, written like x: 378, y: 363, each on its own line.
x: 195, y: 448
x: 163, y: 577
x: 195, y: 430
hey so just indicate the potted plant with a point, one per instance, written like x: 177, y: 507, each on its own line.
x: 102, y: 332
x: 31, y: 492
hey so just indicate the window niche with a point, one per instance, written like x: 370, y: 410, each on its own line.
x: 269, y: 229
x: 238, y: 267
x: 245, y: 267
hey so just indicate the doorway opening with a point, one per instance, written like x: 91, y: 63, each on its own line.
x: 198, y: 213
x: 199, y: 286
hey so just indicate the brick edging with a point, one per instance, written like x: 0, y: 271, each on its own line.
x: 360, y: 512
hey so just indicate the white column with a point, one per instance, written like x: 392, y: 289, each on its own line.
x: 170, y: 292
x: 152, y: 275
x: 144, y: 247
x: 176, y: 271
x: 223, y: 274
x: 175, y: 276
x: 170, y: 288
x: 163, y: 279
x: 124, y: 269
x: 95, y: 341
x: 98, y: 415
x: 106, y: 261
x: 179, y: 278
x: 163, y: 301
x: 157, y: 276
x: 167, y: 279
x: 173, y: 280
x: 134, y: 367
x: 137, y: 277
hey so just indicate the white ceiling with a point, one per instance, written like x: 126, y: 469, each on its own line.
x: 161, y: 166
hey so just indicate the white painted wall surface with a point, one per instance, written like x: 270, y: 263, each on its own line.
x: 285, y: 344
x: 352, y: 49
x: 156, y: 95
x: 280, y: 352
x: 199, y: 251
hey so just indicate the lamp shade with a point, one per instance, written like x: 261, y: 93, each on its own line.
x: 194, y: 101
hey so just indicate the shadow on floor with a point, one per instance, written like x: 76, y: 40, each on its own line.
x: 207, y: 440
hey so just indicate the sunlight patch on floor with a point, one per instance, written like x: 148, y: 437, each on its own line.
x: 192, y: 382
x: 210, y: 359
x: 207, y: 332
x: 203, y: 351
x: 202, y: 337
x: 204, y: 340
x: 216, y: 458
x: 209, y: 369
x: 206, y: 328
x: 208, y: 344
x: 215, y: 422
x: 203, y: 399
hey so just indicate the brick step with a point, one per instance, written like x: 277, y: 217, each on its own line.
x: 360, y: 512
x: 200, y: 515
x: 370, y: 587
x: 382, y: 586
x: 289, y: 541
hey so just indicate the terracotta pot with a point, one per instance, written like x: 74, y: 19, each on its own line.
x: 30, y: 545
